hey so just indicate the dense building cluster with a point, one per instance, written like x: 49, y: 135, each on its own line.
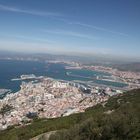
x: 131, y: 78
x: 49, y: 98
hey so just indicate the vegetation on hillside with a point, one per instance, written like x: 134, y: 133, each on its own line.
x: 118, y: 119
x: 6, y: 108
x: 122, y: 122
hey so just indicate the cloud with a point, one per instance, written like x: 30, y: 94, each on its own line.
x: 90, y: 26
x: 58, y: 16
x: 70, y: 33
x: 26, y: 38
x: 31, y: 38
x: 26, y: 11
x: 98, y: 28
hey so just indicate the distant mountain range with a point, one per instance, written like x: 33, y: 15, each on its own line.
x: 135, y: 67
x: 119, y: 63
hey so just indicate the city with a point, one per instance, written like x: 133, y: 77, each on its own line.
x: 70, y: 70
x: 49, y: 99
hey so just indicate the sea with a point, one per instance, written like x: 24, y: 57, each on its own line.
x: 10, y: 69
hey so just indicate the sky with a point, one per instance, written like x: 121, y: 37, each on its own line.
x: 102, y: 27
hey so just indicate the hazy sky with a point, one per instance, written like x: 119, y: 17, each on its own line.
x: 71, y: 26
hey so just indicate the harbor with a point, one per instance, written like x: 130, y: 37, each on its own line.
x: 29, y: 70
